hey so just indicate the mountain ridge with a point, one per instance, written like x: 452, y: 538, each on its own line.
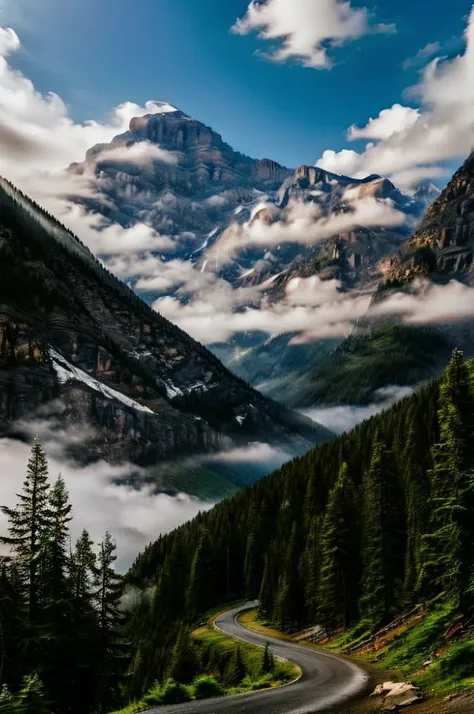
x: 83, y: 337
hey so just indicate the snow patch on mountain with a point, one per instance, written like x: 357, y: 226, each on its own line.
x: 66, y: 372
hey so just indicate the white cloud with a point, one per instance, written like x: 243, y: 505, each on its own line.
x: 9, y: 41
x: 142, y: 153
x: 424, y: 54
x: 134, y: 517
x: 346, y: 416
x: 310, y: 308
x: 389, y: 122
x: 304, y: 30
x: 307, y: 224
x: 444, y: 130
x: 429, y: 303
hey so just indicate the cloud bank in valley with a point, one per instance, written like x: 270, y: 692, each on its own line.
x: 101, y: 497
x: 345, y: 417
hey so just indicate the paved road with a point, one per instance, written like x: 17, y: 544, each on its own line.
x: 325, y: 682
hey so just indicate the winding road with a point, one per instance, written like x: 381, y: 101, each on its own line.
x: 325, y: 682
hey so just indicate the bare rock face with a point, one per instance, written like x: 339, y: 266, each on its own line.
x: 445, y: 237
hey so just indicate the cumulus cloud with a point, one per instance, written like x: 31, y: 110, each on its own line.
x: 345, y: 417
x: 443, y: 131
x: 102, y: 499
x: 389, y: 122
x: 306, y: 30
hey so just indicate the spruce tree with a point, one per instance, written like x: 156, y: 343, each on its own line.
x: 28, y: 523
x: 448, y: 558
x: 237, y: 669
x: 382, y: 520
x: 201, y: 578
x: 268, y: 660
x: 338, y: 553
x: 111, y: 649
x: 184, y: 658
x: 56, y: 597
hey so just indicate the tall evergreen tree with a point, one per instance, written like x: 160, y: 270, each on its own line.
x: 448, y: 546
x: 383, y: 519
x: 111, y: 650
x: 338, y: 554
x: 28, y: 523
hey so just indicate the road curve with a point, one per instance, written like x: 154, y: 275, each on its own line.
x: 326, y: 680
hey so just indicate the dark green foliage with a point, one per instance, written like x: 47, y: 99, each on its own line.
x: 357, y: 529
x: 207, y: 688
x: 60, y: 649
x: 184, y: 659
x: 236, y: 670
x: 174, y: 693
x: 268, y: 660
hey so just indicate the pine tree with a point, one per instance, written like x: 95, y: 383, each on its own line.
x: 338, y: 553
x: 28, y: 523
x: 237, y: 668
x: 268, y: 660
x: 56, y: 598
x: 448, y: 558
x: 184, y: 658
x: 201, y: 577
x: 111, y: 654
x: 383, y: 521
x: 32, y: 698
x: 84, y: 626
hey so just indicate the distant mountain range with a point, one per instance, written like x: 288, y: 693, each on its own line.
x: 78, y: 348
x: 197, y: 190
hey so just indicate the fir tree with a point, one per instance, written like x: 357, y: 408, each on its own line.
x: 338, y: 553
x: 381, y: 548
x: 268, y: 660
x: 28, y: 523
x: 111, y: 651
x: 237, y: 668
x: 447, y: 548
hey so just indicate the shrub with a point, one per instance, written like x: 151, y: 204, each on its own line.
x: 458, y: 661
x: 153, y: 696
x: 207, y: 687
x: 174, y: 693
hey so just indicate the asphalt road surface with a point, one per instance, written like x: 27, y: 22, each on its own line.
x: 326, y: 680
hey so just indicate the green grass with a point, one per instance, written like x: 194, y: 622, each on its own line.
x: 284, y: 671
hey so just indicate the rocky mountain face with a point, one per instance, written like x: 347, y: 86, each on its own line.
x: 196, y: 189
x: 444, y: 242
x: 383, y: 351
x: 186, y: 189
x: 78, y: 347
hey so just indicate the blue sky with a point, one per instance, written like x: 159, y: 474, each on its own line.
x: 96, y: 54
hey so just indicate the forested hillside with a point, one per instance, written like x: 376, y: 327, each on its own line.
x: 351, y: 534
